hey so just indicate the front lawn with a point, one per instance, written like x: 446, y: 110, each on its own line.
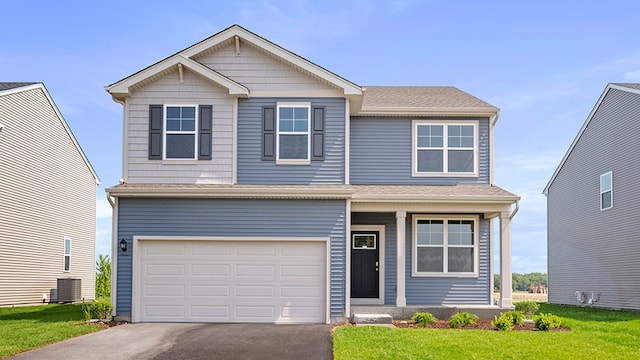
x: 595, y: 334
x: 24, y: 328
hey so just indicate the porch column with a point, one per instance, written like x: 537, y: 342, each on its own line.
x: 401, y: 230
x: 505, y: 260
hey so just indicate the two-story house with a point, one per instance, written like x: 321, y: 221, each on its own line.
x: 261, y: 187
x: 592, y: 208
x: 47, y: 202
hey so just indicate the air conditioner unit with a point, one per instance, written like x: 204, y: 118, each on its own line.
x: 69, y: 290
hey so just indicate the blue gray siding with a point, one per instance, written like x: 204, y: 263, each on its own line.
x: 451, y: 290
x: 381, y: 153
x: 253, y: 170
x: 211, y: 217
x: 589, y: 249
x: 390, y: 248
x: 431, y: 290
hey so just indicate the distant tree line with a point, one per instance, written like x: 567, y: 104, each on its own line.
x: 523, y: 282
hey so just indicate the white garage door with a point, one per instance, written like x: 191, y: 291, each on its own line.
x: 230, y: 281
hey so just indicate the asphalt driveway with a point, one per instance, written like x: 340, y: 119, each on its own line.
x: 194, y: 341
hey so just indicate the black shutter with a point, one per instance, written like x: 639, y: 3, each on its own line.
x: 269, y: 133
x: 317, y: 134
x: 204, y: 132
x: 155, y: 132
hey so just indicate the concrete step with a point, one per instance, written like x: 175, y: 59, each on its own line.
x: 373, y: 319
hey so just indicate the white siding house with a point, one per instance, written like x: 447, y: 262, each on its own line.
x: 47, y: 199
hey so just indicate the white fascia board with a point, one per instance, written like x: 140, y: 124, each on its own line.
x: 21, y: 89
x: 348, y: 87
x: 583, y: 128
x: 122, y: 88
x: 416, y: 111
x: 281, y: 193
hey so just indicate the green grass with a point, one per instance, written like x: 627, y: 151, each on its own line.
x: 24, y: 328
x: 595, y: 334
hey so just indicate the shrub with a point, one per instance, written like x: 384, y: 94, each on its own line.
x: 546, y: 322
x: 463, y: 319
x: 507, y: 320
x: 98, y: 310
x: 528, y: 308
x: 424, y: 318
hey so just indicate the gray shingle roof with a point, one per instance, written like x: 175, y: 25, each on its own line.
x: 629, y: 85
x: 13, y: 85
x: 420, y: 97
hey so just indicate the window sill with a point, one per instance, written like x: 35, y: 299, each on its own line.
x: 424, y: 174
x: 293, y: 162
x: 449, y: 275
x: 179, y: 162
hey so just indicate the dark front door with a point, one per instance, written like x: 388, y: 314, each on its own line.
x: 365, y: 264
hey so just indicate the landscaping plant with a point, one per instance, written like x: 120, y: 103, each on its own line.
x: 546, y: 322
x: 528, y: 308
x: 463, y: 319
x: 507, y: 320
x: 424, y: 318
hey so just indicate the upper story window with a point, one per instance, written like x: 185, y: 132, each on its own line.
x: 180, y: 132
x: 293, y: 140
x: 67, y: 254
x: 444, y: 245
x: 445, y: 148
x: 606, y: 191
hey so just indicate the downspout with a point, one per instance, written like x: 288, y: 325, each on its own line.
x: 515, y: 211
x: 493, y: 120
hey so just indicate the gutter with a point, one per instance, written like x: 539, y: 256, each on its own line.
x: 515, y: 211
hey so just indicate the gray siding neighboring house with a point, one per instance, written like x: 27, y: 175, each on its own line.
x: 593, y: 250
x: 48, y: 197
x: 307, y: 195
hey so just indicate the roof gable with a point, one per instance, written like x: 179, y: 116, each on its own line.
x: 235, y: 33
x: 5, y: 90
x: 631, y: 88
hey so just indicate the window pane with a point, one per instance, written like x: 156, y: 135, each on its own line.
x: 180, y: 146
x: 605, y: 182
x: 430, y: 136
x: 430, y: 160
x: 188, y: 125
x: 286, y: 125
x: 173, y: 112
x: 67, y: 263
x: 460, y: 160
x: 301, y: 113
x: 189, y: 112
x: 286, y: 113
x: 606, y: 200
x: 293, y: 147
x: 300, y: 125
x: 430, y: 259
x: 460, y: 232
x: 460, y: 260
x: 460, y: 136
x: 430, y: 232
x: 364, y: 241
x: 67, y: 247
x: 173, y: 125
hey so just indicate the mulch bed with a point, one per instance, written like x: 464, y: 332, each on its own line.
x: 108, y: 324
x: 479, y: 325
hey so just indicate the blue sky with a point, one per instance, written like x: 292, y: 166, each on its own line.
x: 543, y: 63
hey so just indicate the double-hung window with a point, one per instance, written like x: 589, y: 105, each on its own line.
x: 444, y: 245
x: 180, y: 132
x: 293, y: 139
x: 67, y: 255
x: 606, y: 191
x: 444, y: 148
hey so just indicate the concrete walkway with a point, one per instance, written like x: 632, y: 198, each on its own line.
x: 193, y: 341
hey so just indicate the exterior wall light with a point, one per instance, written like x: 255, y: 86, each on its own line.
x: 123, y: 245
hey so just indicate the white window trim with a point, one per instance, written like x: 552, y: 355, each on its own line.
x: 445, y: 218
x: 65, y: 255
x: 445, y: 148
x: 306, y: 161
x: 610, y: 190
x: 165, y: 132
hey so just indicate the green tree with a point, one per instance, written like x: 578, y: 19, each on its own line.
x: 103, y: 277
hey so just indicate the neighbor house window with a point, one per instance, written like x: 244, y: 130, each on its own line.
x: 180, y: 132
x: 67, y: 254
x: 445, y: 245
x: 606, y: 191
x: 444, y: 148
x: 293, y: 140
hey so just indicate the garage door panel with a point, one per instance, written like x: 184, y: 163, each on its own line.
x: 170, y: 249
x: 225, y: 281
